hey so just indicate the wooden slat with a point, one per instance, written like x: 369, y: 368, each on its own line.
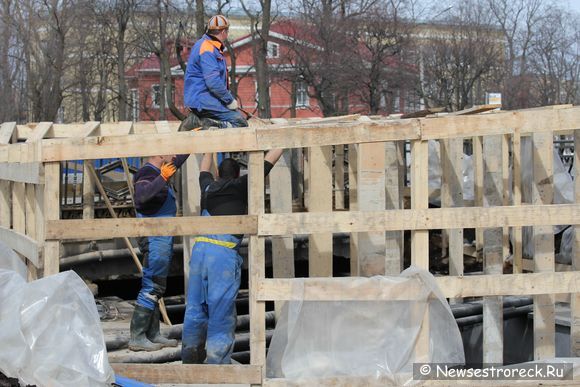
x: 31, y: 229
x: 492, y: 250
x: 135, y: 227
x: 419, y: 219
x: 163, y: 127
x: 575, y: 297
x: 543, y: 240
x: 32, y: 173
x: 393, y: 200
x: 21, y: 243
x: 42, y: 130
x: 190, y: 373
x: 451, y: 287
x: 339, y: 177
x: 419, y: 201
x: 51, y: 206
x: 371, y: 197
x: 91, y: 128
x: 6, y: 135
x: 257, y: 264
x: 517, y: 199
x: 353, y: 205
x: 320, y: 199
x: 7, y: 132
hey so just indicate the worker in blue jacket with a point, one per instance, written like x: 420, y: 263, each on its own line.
x: 154, y: 198
x: 215, y: 267
x: 206, y: 88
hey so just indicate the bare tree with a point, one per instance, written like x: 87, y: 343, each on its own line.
x: 461, y: 58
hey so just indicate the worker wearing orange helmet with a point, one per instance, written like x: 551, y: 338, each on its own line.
x: 206, y: 88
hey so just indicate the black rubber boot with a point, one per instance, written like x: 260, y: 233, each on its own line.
x: 193, y: 355
x: 153, y: 332
x: 139, y: 327
x: 192, y: 121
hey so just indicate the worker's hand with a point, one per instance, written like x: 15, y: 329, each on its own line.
x: 167, y: 170
x: 233, y: 105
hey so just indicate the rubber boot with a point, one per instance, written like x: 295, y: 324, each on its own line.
x: 139, y: 326
x: 193, y: 355
x: 153, y: 332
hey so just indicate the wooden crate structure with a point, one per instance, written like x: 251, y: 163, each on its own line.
x: 30, y: 223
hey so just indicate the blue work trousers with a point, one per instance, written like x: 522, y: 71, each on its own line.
x: 210, y: 315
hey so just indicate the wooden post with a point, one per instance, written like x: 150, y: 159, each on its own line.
x: 191, y: 201
x: 320, y: 200
x: 281, y: 202
x: 51, y: 212
x: 371, y: 196
x: 478, y: 189
x: 393, y: 201
x: 517, y: 199
x: 420, y: 238
x: 256, y: 255
x: 542, y: 193
x: 88, y: 191
x: 493, y: 251
x: 575, y: 297
x: 353, y: 205
x: 452, y: 196
x: 7, y: 131
x: 339, y: 177
x: 31, y: 226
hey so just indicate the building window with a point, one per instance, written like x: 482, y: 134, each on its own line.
x: 302, y: 94
x: 134, y: 105
x: 273, y: 50
x: 155, y: 96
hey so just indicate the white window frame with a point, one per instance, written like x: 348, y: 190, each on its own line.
x: 302, y: 98
x: 273, y: 50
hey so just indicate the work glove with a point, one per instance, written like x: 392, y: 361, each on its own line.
x: 167, y: 170
x: 233, y: 105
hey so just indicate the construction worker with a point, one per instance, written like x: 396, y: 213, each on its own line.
x: 206, y: 88
x: 215, y: 266
x: 154, y: 198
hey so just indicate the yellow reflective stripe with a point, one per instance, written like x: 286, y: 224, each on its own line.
x: 229, y: 245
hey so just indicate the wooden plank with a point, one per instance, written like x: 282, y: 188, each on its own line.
x: 7, y: 132
x: 190, y: 373
x: 339, y: 177
x: 575, y: 297
x: 332, y: 289
x: 281, y: 202
x: 22, y: 172
x: 477, y: 142
x: 543, y: 239
x: 31, y: 230
x: 419, y: 200
x: 21, y: 243
x: 420, y: 219
x: 42, y: 130
x: 51, y: 249
x: 476, y: 110
x: 88, y: 191
x: 135, y: 227
x: 393, y: 200
x: 163, y: 127
x: 371, y: 197
x: 353, y: 205
x: 191, y: 205
x: 517, y: 199
x: 493, y: 250
x: 320, y: 199
x: 452, y: 196
x: 91, y: 128
x: 256, y: 254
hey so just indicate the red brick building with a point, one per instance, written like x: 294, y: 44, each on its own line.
x: 143, y: 80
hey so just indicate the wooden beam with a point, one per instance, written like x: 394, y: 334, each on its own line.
x: 7, y: 132
x: 91, y: 128
x: 543, y: 239
x: 420, y: 201
x: 353, y: 205
x: 136, y: 227
x: 332, y: 289
x: 419, y: 219
x: 190, y: 373
x: 492, y: 250
x: 31, y: 227
x: 257, y: 258
x: 394, y: 186
x: 339, y: 177
x: 371, y: 197
x: 51, y: 197
x: 42, y: 130
x: 575, y: 297
x: 6, y: 135
x: 320, y: 199
x: 32, y: 173
x: 21, y: 243
x: 517, y: 199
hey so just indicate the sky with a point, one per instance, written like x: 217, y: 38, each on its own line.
x: 573, y: 4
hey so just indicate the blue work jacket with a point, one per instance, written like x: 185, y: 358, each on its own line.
x: 206, y: 77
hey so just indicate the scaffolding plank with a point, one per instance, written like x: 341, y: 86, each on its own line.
x: 543, y: 240
x: 320, y: 199
x: 190, y: 373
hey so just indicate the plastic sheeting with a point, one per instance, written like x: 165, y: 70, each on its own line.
x: 364, y: 339
x: 50, y: 332
x: 11, y: 261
